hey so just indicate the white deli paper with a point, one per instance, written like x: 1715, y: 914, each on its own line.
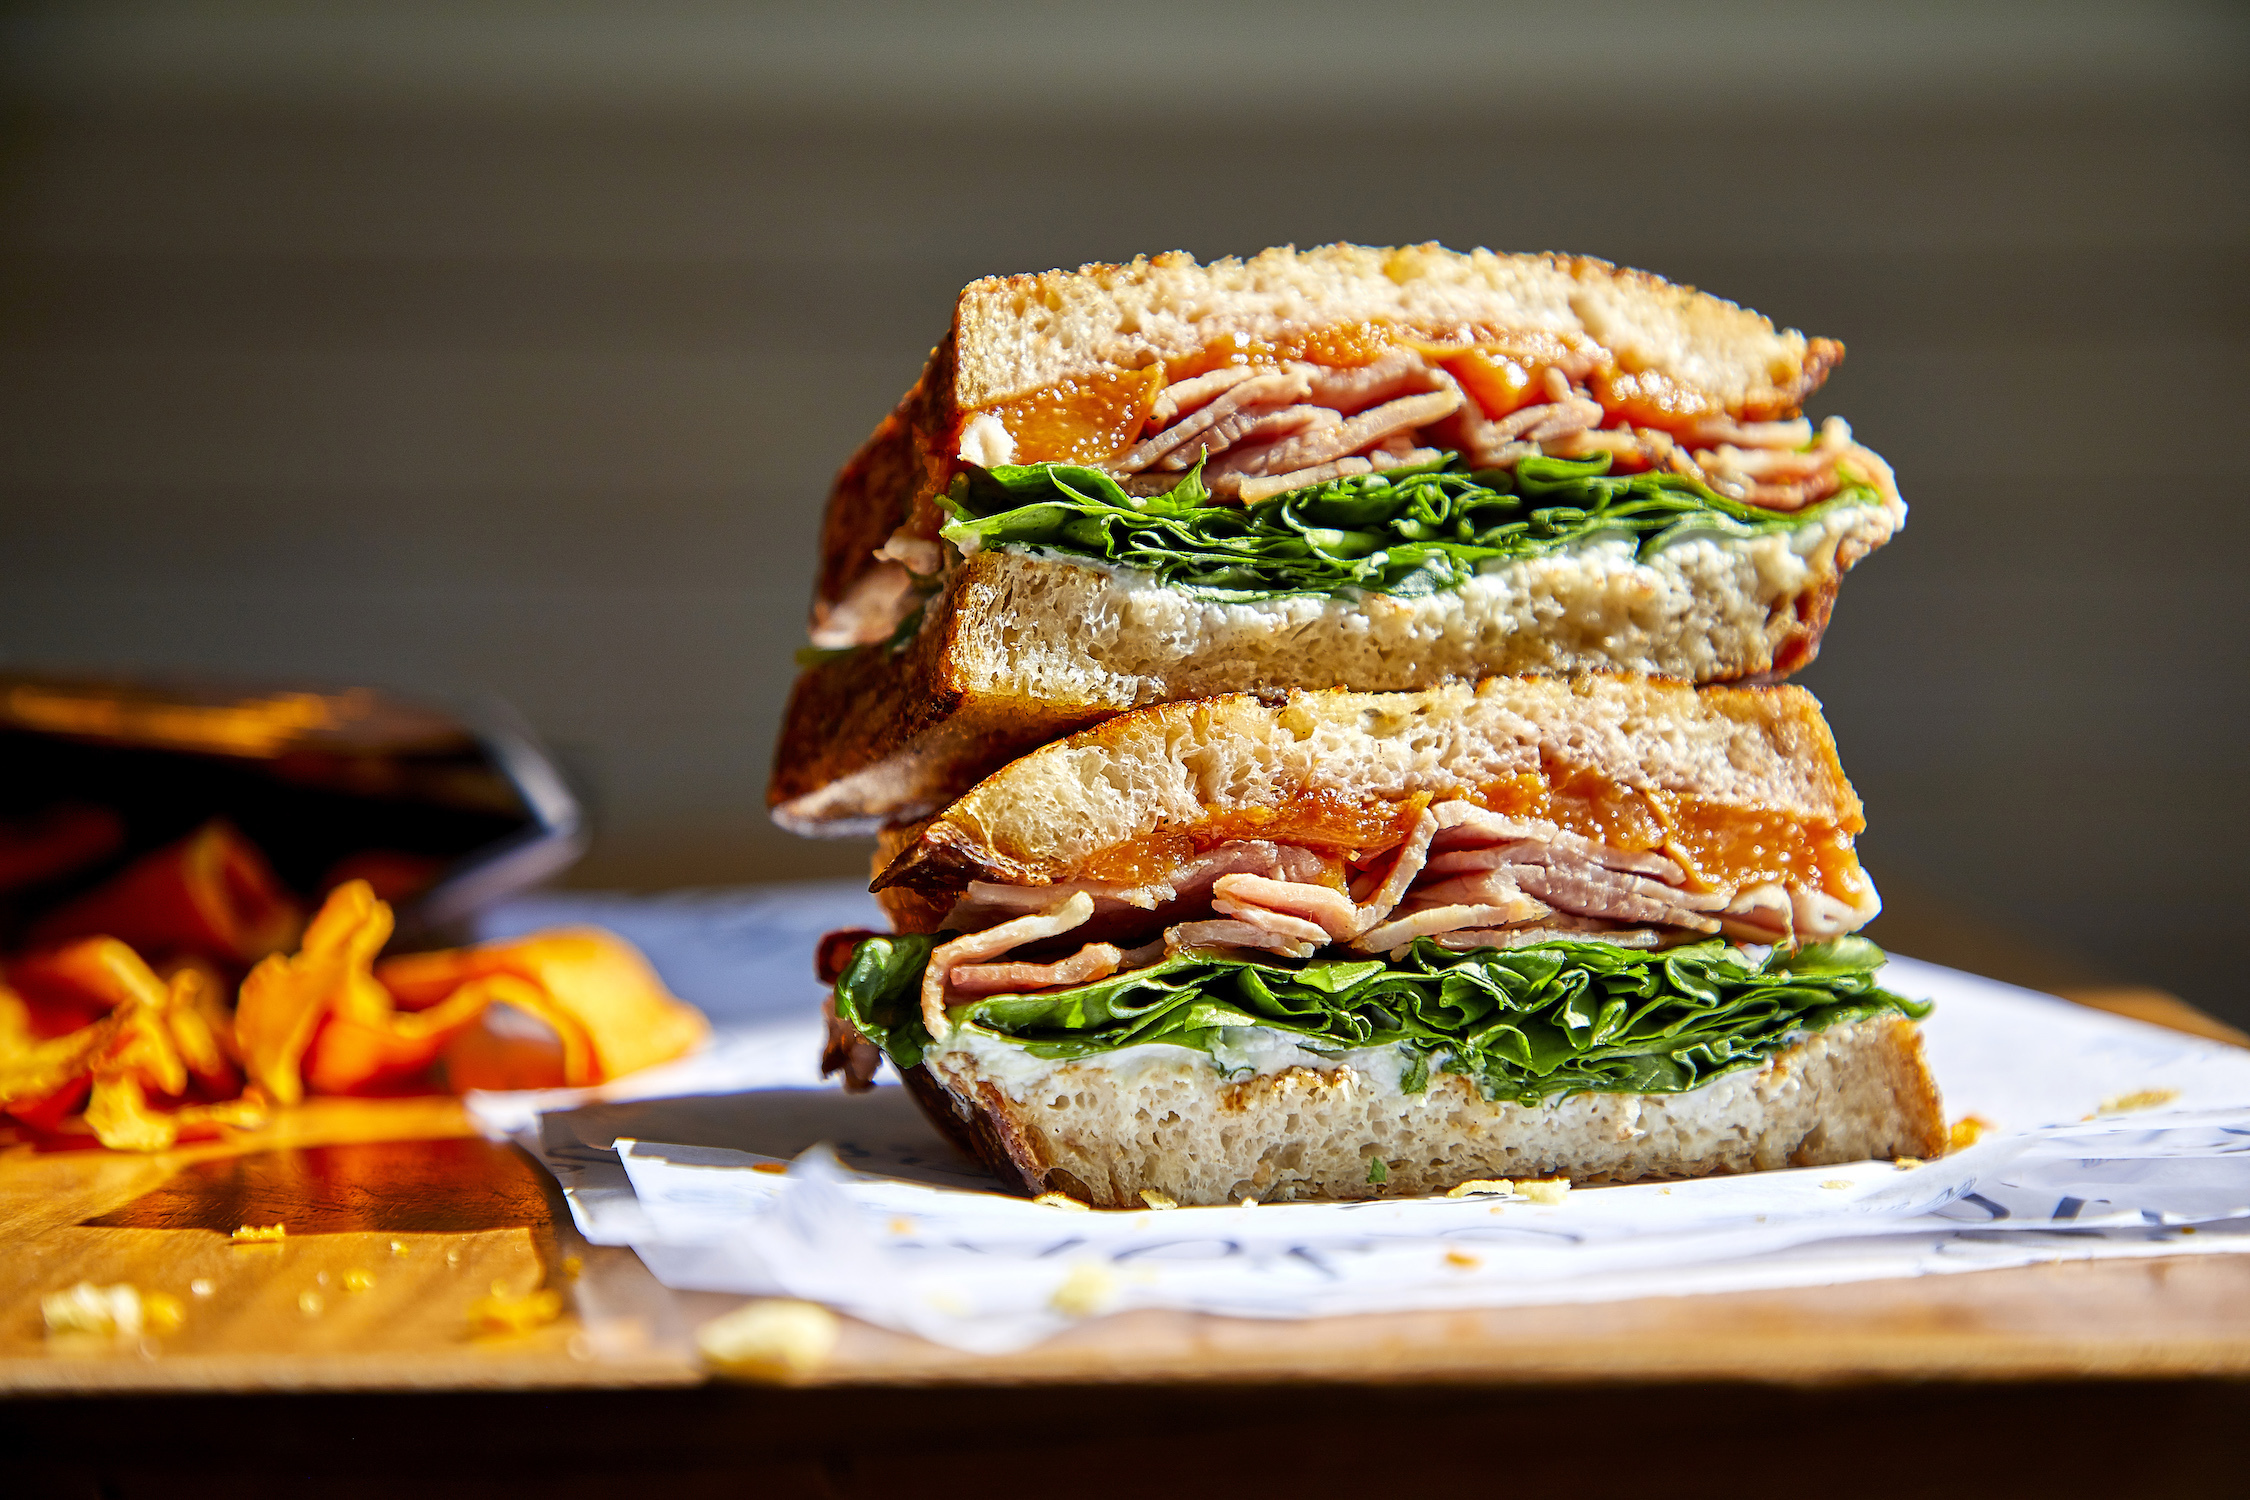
x: 769, y: 1183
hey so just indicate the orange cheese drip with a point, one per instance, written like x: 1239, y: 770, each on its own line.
x: 1718, y: 843
x: 1083, y: 420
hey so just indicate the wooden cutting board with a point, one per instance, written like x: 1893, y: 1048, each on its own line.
x: 400, y: 1218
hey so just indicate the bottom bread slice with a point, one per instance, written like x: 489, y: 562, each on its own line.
x: 1166, y: 1121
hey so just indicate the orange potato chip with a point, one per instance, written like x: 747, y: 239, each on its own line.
x: 212, y: 893
x: 330, y: 1019
x: 608, y: 1007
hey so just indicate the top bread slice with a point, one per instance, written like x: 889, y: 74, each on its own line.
x: 1245, y: 766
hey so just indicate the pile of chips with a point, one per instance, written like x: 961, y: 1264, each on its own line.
x: 188, y: 995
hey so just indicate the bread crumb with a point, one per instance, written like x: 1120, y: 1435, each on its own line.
x: 202, y: 1286
x: 571, y: 1266
x: 399, y: 1248
x: 1247, y: 1202
x: 1063, y: 1200
x: 1838, y: 1182
x: 2140, y: 1099
x: 776, y: 1168
x: 1550, y: 1190
x: 1477, y: 1185
x: 773, y: 1339
x: 1966, y: 1132
x: 1906, y: 1163
x: 902, y: 1226
x: 1085, y: 1291
x: 259, y: 1234
x: 500, y: 1313
x: 311, y: 1303
x: 1155, y: 1199
x: 358, y: 1281
x: 121, y: 1311
x: 1462, y: 1259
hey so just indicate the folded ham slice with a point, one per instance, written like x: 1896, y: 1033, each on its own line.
x: 1464, y: 876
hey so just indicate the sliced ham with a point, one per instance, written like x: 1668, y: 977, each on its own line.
x: 1184, y: 396
x: 976, y: 947
x: 1256, y: 424
x: 1591, y: 891
x: 1325, y: 444
x: 1189, y: 935
x: 1092, y: 962
x: 1431, y: 921
x: 1469, y: 939
x: 1273, y: 388
x: 1397, y: 374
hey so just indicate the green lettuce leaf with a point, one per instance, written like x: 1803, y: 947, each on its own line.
x: 1525, y: 1024
x: 1405, y: 531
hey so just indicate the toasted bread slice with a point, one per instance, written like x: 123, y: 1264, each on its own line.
x: 1169, y: 1123
x: 1625, y: 762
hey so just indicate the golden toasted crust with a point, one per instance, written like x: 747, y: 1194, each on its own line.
x: 1207, y: 769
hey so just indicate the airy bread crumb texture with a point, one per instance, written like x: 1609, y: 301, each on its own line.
x: 1177, y: 1130
x: 1015, y: 334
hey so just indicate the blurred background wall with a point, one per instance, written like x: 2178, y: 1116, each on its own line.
x: 489, y: 349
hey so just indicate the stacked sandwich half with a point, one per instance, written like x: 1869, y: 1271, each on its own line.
x: 1320, y: 716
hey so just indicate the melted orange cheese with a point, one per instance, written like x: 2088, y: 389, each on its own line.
x: 1083, y: 420
x: 1719, y: 844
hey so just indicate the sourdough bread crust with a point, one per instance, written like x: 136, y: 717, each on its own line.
x: 1175, y: 767
x: 1015, y: 334
x: 1017, y: 650
x: 1106, y: 1134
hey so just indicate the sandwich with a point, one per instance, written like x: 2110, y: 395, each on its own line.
x: 1327, y: 944
x: 1388, y: 469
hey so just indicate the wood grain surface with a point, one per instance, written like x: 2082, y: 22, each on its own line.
x: 399, y: 1219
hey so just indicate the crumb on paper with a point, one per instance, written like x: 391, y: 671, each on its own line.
x: 1155, y: 1199
x: 1906, y: 1163
x: 773, y: 1339
x: 902, y: 1226
x: 1966, y: 1132
x: 1838, y: 1182
x: 1663, y: 1192
x: 1086, y: 1290
x: 202, y: 1286
x: 2125, y: 1104
x: 1477, y: 1185
x: 259, y: 1234
x: 774, y: 1168
x: 1551, y: 1190
x: 311, y: 1304
x: 1462, y: 1259
x: 1063, y: 1200
x: 499, y: 1313
x: 358, y: 1281
x: 120, y: 1311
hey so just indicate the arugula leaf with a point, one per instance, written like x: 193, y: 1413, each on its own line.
x: 1416, y: 530
x: 1527, y: 1024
